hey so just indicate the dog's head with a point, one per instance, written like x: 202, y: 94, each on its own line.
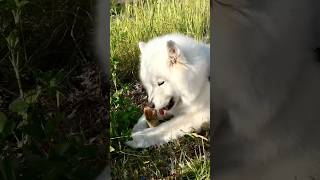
x: 174, y: 69
x: 162, y: 68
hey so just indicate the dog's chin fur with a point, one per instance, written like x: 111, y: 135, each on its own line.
x: 174, y: 66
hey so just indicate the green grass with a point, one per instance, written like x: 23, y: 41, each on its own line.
x: 123, y: 113
x: 142, y: 20
x: 187, y: 157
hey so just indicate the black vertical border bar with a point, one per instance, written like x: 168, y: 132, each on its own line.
x: 102, y: 35
x: 211, y: 91
x: 102, y: 48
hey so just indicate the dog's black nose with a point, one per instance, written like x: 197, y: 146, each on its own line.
x: 151, y: 105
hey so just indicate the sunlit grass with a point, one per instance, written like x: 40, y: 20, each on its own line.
x: 142, y: 20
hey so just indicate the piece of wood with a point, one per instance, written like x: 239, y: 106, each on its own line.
x: 151, y: 116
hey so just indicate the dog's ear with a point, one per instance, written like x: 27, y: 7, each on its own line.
x: 141, y: 46
x: 173, y: 51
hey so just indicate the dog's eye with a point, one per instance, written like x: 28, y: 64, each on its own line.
x: 160, y: 83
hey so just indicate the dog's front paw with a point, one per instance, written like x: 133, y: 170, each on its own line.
x: 132, y: 144
x: 144, y: 140
x: 139, y: 141
x: 140, y: 126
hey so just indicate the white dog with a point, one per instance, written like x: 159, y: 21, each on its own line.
x: 174, y: 70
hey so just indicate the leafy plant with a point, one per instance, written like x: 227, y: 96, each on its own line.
x: 51, y: 119
x: 123, y: 113
x: 14, y: 41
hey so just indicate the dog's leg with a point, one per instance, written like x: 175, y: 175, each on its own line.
x: 140, y: 125
x: 169, y: 130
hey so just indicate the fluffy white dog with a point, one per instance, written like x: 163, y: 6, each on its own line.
x: 175, y: 71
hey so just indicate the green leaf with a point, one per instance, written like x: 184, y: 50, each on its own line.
x: 3, y: 120
x: 9, y: 127
x: 7, y: 169
x: 18, y: 106
x: 53, y: 123
x: 62, y: 148
x: 33, y: 95
x: 22, y: 3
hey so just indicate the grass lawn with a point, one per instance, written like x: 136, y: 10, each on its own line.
x: 187, y: 157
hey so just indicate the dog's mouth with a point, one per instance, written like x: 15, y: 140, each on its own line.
x: 163, y: 110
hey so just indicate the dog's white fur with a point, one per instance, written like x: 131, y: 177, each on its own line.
x: 183, y: 64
